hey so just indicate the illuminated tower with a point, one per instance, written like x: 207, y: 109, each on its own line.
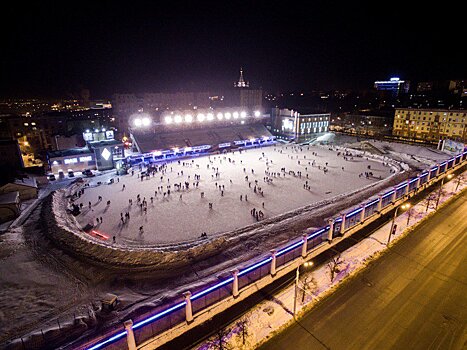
x: 241, y: 82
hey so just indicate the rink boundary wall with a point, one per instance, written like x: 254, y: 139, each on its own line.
x: 195, y: 308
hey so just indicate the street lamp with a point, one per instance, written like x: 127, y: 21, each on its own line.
x: 393, y: 226
x: 440, y: 187
x: 297, y: 275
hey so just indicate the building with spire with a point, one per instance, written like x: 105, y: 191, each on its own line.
x: 241, y: 83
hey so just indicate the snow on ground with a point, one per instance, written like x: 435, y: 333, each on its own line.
x: 185, y: 214
x: 269, y: 316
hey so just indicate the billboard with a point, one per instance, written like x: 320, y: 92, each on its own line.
x: 452, y: 146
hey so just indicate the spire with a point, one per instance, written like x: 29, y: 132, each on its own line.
x: 241, y: 82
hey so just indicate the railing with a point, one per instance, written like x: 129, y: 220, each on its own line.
x: 192, y: 304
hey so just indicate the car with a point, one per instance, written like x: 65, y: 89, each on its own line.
x: 61, y: 174
x: 88, y: 173
x: 71, y: 173
x: 51, y: 177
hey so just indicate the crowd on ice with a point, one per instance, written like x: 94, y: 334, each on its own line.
x: 140, y: 195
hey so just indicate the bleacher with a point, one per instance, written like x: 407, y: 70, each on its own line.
x: 170, y: 139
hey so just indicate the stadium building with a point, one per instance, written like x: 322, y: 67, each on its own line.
x: 191, y: 132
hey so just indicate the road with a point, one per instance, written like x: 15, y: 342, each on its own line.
x: 413, y: 297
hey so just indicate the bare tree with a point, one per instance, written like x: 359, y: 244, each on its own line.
x: 430, y: 200
x: 460, y: 180
x: 242, y: 325
x: 220, y: 342
x: 333, y: 266
x: 307, y: 281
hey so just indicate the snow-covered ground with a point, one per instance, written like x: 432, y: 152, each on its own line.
x: 40, y: 282
x: 236, y: 189
x: 269, y: 316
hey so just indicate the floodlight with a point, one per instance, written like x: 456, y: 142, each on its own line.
x: 201, y: 117
x: 228, y: 115
x: 168, y: 119
x: 188, y: 118
x: 178, y: 119
x: 235, y: 115
x: 210, y: 116
x: 257, y: 113
x: 137, y: 122
x: 220, y: 116
x: 243, y: 114
x: 146, y: 121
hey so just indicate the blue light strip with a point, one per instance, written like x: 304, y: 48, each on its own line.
x: 353, y: 212
x: 210, y: 289
x: 159, y: 315
x: 424, y: 174
x: 434, y: 168
x: 387, y: 194
x: 401, y: 185
x: 255, y: 266
x: 413, y: 180
x: 371, y: 203
x: 108, y: 341
x: 285, y: 250
x: 339, y: 219
x: 458, y: 155
x: 317, y: 233
x: 443, y: 163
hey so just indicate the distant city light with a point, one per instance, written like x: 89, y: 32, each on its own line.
x: 257, y: 113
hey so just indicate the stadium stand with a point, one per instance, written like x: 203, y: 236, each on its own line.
x: 161, y: 140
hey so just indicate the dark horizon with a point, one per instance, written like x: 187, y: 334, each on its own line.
x: 51, y: 50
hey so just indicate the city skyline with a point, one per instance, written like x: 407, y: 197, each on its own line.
x: 114, y: 47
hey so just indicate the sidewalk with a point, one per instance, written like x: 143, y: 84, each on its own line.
x: 271, y: 316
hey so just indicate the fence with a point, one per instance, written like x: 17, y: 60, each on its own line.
x: 184, y: 309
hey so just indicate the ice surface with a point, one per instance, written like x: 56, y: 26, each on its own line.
x: 184, y: 215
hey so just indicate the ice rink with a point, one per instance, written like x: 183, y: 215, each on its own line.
x: 185, y: 214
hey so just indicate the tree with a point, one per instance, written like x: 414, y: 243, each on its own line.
x: 306, y: 286
x: 429, y: 200
x: 333, y: 266
x: 220, y: 342
x: 460, y: 180
x: 242, y: 325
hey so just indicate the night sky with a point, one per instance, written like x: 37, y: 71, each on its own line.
x: 53, y: 49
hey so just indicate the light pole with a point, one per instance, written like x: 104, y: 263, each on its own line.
x: 297, y: 275
x: 403, y: 206
x: 440, y: 187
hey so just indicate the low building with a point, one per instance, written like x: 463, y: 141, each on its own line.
x: 292, y: 125
x: 10, y: 154
x: 27, y: 188
x: 9, y: 206
x: 75, y: 159
x: 430, y: 124
x: 100, y: 155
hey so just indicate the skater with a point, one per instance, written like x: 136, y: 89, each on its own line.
x: 141, y: 231
x: 123, y: 188
x: 113, y: 238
